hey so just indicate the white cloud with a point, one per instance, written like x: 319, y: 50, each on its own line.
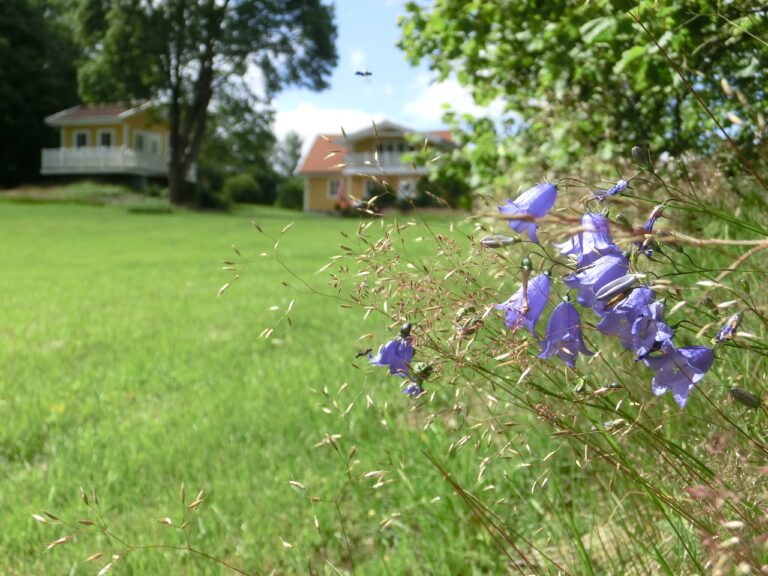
x: 310, y: 120
x: 427, y: 106
x: 358, y: 58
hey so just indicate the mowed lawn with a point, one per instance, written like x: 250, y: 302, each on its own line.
x: 121, y: 370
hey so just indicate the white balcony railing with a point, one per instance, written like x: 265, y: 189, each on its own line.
x: 388, y: 162
x: 103, y: 160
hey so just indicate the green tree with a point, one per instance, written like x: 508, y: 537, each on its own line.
x: 189, y: 53
x: 37, y: 78
x: 238, y: 140
x: 583, y: 78
x: 287, y: 154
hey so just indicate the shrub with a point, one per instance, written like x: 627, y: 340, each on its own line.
x: 242, y: 188
x: 290, y: 193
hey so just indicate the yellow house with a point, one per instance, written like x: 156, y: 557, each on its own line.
x: 109, y: 139
x: 338, y: 170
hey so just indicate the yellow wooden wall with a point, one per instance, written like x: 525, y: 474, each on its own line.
x: 318, y: 194
x: 317, y: 187
x: 144, y: 120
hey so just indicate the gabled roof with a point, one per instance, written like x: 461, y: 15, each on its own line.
x: 327, y: 154
x: 387, y: 129
x: 89, y: 114
x: 324, y: 156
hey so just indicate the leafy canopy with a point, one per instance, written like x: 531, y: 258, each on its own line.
x: 582, y: 78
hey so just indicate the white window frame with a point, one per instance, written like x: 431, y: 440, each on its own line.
x: 334, y: 184
x: 76, y: 133
x: 149, y: 137
x: 112, y: 137
x: 136, y: 135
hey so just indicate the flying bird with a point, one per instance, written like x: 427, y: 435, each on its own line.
x: 364, y: 73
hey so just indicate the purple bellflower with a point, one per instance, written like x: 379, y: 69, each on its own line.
x: 395, y: 355
x: 563, y: 336
x: 648, y: 331
x: 591, y: 278
x: 620, y: 186
x: 413, y: 390
x: 657, y: 213
x: 729, y: 328
x: 623, y: 315
x: 638, y: 321
x: 592, y: 242
x: 531, y: 204
x: 646, y: 231
x: 678, y: 369
x: 524, y: 309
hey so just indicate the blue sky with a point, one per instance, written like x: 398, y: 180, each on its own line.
x: 367, y: 37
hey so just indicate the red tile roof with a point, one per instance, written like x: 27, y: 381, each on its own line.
x: 444, y: 134
x: 324, y: 156
x: 88, y: 111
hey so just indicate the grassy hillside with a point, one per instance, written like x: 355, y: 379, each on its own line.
x: 121, y: 370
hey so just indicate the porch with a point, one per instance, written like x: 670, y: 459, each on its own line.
x: 378, y: 163
x: 106, y: 160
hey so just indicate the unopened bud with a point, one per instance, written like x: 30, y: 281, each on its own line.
x: 616, y: 287
x: 745, y: 286
x: 498, y: 241
x: 745, y: 397
x: 639, y: 156
x: 405, y: 330
x: 622, y: 220
x: 526, y: 264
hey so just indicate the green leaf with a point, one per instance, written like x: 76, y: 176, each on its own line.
x: 628, y: 57
x: 598, y: 30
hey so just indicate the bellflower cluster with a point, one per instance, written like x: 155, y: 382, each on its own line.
x: 603, y: 282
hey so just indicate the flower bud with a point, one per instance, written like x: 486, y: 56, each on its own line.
x: 745, y: 397
x: 405, y: 330
x: 745, y: 286
x: 616, y: 287
x: 526, y: 264
x: 498, y: 241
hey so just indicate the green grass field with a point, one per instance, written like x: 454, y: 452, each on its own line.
x: 121, y: 370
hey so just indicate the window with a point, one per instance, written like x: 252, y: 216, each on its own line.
x: 138, y: 142
x: 333, y: 188
x: 81, y: 139
x: 106, y: 138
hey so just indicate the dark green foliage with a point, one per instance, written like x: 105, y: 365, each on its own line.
x: 238, y: 141
x: 444, y: 190
x: 290, y: 193
x: 584, y: 78
x: 242, y: 188
x: 37, y: 78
